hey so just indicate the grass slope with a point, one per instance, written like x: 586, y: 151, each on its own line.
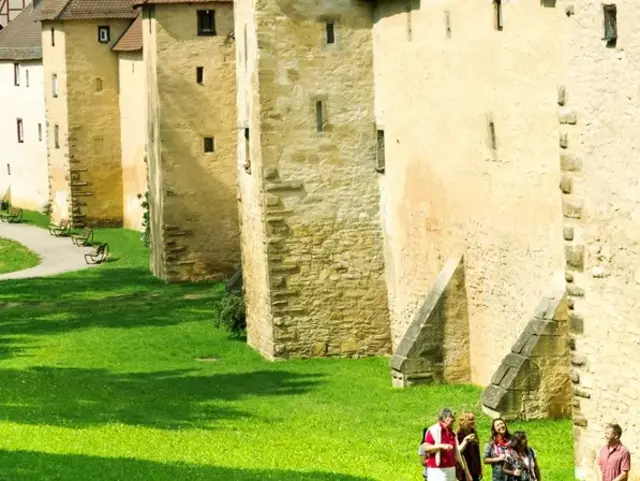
x: 16, y: 257
x: 100, y: 379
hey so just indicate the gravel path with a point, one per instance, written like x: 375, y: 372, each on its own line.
x: 58, y: 254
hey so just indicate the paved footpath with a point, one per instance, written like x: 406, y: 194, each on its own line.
x: 58, y: 254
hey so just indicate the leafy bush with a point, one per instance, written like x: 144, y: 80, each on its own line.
x: 231, y: 315
x: 146, y: 220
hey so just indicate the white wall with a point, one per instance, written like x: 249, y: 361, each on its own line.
x: 28, y: 160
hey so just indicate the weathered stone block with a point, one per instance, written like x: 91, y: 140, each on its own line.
x: 566, y: 183
x: 572, y: 208
x: 567, y: 233
x: 569, y: 117
x: 574, y: 255
x: 570, y: 163
x: 562, y: 95
x: 564, y: 140
x: 493, y: 397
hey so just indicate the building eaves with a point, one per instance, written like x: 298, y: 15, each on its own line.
x: 141, y: 3
x: 131, y: 40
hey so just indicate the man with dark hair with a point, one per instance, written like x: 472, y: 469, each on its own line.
x: 614, y: 460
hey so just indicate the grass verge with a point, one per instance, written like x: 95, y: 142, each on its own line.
x: 109, y: 374
x: 16, y: 257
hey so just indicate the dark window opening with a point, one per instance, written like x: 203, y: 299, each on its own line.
x: 20, y: 130
x: 409, y: 23
x: 26, y: 78
x: 98, y: 84
x: 497, y: 12
x: 16, y: 74
x: 56, y: 136
x: 104, y: 34
x: 53, y: 37
x: 246, y: 48
x: 610, y: 25
x: 447, y: 22
x: 54, y: 85
x: 206, y: 22
x: 320, y: 116
x: 209, y: 145
x: 380, y: 157
x: 247, y: 152
x: 200, y: 75
x: 331, y: 33
x: 493, y: 143
x: 39, y: 132
x: 8, y: 169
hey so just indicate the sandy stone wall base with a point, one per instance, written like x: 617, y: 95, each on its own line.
x: 435, y: 347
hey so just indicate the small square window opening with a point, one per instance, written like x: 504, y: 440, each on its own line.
x: 200, y: 75
x: 209, y: 144
x: 104, y: 34
x: 206, y: 22
x: 98, y: 85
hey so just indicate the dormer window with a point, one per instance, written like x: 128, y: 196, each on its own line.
x: 104, y: 34
x: 206, y: 22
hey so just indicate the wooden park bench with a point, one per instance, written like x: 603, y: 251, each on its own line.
x: 62, y: 229
x: 13, y: 215
x: 98, y: 255
x: 85, y: 238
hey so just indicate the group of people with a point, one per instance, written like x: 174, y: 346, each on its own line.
x: 455, y: 456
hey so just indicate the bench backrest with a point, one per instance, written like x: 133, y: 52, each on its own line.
x: 101, y: 249
x: 15, y: 210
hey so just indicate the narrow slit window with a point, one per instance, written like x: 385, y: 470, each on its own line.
x: 497, y: 12
x: 8, y: 169
x: 26, y: 78
x: 206, y: 22
x: 447, y: 22
x: 209, y: 144
x: 493, y: 143
x: 247, y: 152
x: 320, y: 116
x: 380, y: 157
x: 331, y: 33
x: 53, y: 37
x: 200, y: 75
x: 98, y: 85
x: 56, y: 136
x: 54, y: 85
x: 20, y: 127
x: 409, y: 22
x: 16, y: 74
x: 246, y: 48
x: 610, y: 23
x: 39, y: 132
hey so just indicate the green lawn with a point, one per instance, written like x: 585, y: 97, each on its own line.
x: 16, y: 257
x: 100, y: 380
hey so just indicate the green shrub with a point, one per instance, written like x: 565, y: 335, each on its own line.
x: 231, y: 315
x: 146, y: 220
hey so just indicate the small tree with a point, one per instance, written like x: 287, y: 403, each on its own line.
x: 146, y: 220
x: 231, y: 315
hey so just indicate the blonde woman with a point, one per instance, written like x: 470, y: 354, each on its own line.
x: 469, y: 445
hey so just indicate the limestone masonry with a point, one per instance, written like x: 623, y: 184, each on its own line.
x: 451, y: 183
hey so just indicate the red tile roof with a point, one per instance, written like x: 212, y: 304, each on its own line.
x: 22, y: 38
x: 86, y: 9
x: 138, y: 3
x: 131, y: 40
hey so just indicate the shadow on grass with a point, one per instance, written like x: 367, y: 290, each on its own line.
x: 179, y: 399
x: 37, y: 466
x: 119, y: 298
